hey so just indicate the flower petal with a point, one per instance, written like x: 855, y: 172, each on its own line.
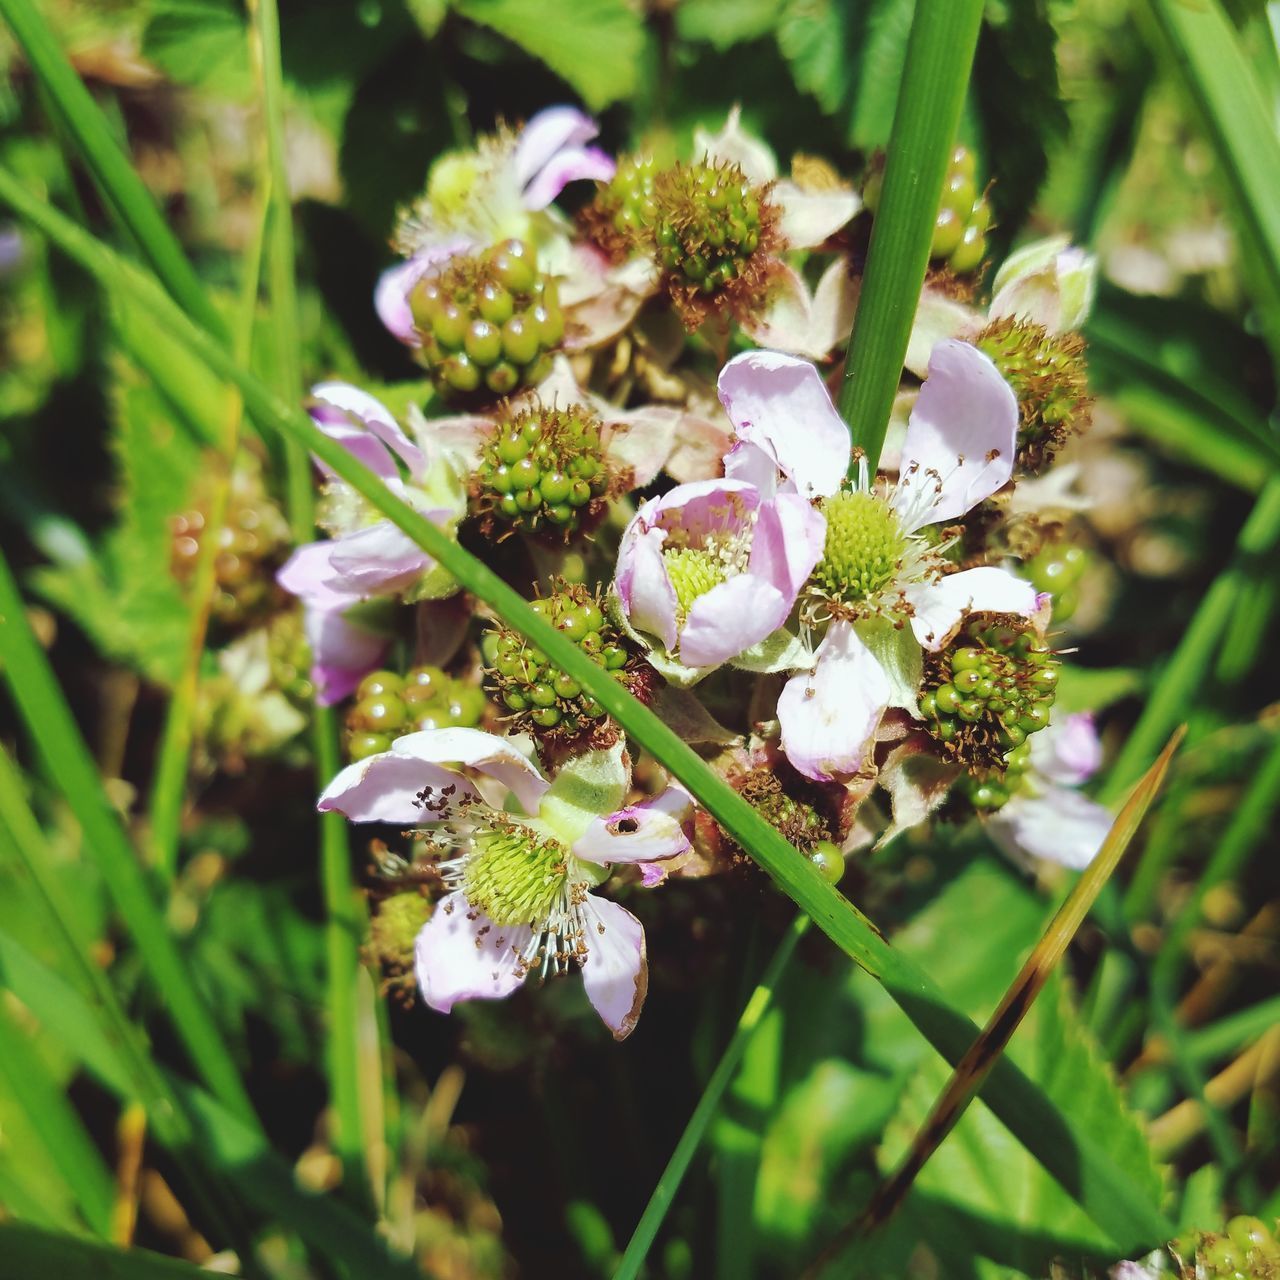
x: 309, y: 574
x: 645, y: 832
x: 545, y: 136
x: 804, y: 324
x: 828, y: 715
x: 1050, y: 282
x: 342, y: 653
x: 733, y: 146
x: 810, y: 217
x: 389, y: 787
x: 1058, y: 824
x: 615, y: 970
x: 939, y: 607
x: 780, y: 405
x: 938, y: 317
x: 789, y: 538
x: 961, y: 438
x: 372, y: 414
x: 1067, y: 751
x: 642, y: 439
x: 731, y: 617
x: 570, y: 165
x: 391, y: 295
x: 644, y: 586
x: 462, y: 955
x: 378, y: 560
x: 485, y: 752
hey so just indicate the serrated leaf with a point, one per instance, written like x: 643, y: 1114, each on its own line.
x: 883, y: 54
x: 724, y: 23
x: 997, y: 1201
x: 818, y: 40
x: 594, y: 45
x: 201, y: 43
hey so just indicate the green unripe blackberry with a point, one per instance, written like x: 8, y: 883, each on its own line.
x: 1047, y: 374
x: 1245, y: 1250
x: 620, y: 216
x: 711, y: 233
x: 545, y: 701
x: 388, y: 706
x: 1057, y: 569
x: 987, y: 692
x: 543, y: 471
x: 829, y: 860
x: 393, y: 933
x: 487, y: 322
x: 806, y: 813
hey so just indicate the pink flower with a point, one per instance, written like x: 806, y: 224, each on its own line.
x: 881, y: 588
x: 1048, y: 818
x: 367, y: 557
x: 476, y: 198
x: 520, y: 880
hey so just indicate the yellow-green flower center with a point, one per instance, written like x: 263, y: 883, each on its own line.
x: 693, y: 572
x: 864, y: 547
x: 515, y: 876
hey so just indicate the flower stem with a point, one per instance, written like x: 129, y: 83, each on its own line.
x: 940, y: 49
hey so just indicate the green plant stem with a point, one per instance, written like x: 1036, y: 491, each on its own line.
x: 345, y: 914
x: 1184, y: 673
x: 664, y: 1193
x: 1071, y: 1156
x: 27, y: 1251
x: 126, y: 196
x: 35, y: 691
x: 940, y: 49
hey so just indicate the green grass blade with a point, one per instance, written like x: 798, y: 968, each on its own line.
x: 1069, y: 1155
x: 55, y: 1120
x: 345, y: 915
x: 944, y: 35
x: 35, y: 691
x: 27, y: 1251
x: 668, y: 1185
x: 120, y: 186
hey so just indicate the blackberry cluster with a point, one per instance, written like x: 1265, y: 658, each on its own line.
x: 960, y: 230
x: 543, y: 470
x: 543, y: 700
x: 1047, y: 373
x: 393, y: 931
x: 388, y: 706
x: 623, y: 210
x: 488, y: 322
x: 988, y: 691
x: 1057, y: 568
x: 252, y: 542
x: 711, y: 232
x: 1246, y: 1249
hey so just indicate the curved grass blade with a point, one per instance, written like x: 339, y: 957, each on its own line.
x: 28, y: 1251
x: 1069, y: 1154
x: 980, y: 1058
x: 668, y: 1185
x: 944, y: 36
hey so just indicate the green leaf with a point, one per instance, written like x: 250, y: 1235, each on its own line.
x: 200, y: 43
x: 26, y: 1251
x: 999, y: 1203
x: 724, y: 23
x: 594, y: 45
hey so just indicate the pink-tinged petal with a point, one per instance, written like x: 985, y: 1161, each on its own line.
x: 342, y: 654
x: 917, y: 782
x: 938, y: 317
x: 699, y: 447
x: 705, y: 506
x: 652, y: 874
x: 390, y: 787
x: 1067, y: 752
x: 645, y: 832
x: 1058, y: 825
x: 731, y: 617
x: 462, y: 955
x: 804, y: 324
x: 829, y: 715
x: 1050, y: 282
x: 615, y: 970
x: 750, y: 464
x: 309, y: 574
x: 374, y: 416
x: 642, y: 439
x: 734, y: 146
x: 789, y: 538
x: 940, y: 607
x: 810, y: 217
x: 484, y: 752
x: 961, y: 437
x: 377, y: 560
x: 572, y: 165
x: 391, y: 296
x: 600, y: 299
x: 547, y: 134
x: 780, y: 404
x: 644, y: 586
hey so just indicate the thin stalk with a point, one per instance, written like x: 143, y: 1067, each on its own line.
x: 345, y: 916
x: 114, y: 175
x: 1070, y: 1155
x: 664, y: 1193
x: 35, y: 691
x: 168, y: 788
x: 940, y: 49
